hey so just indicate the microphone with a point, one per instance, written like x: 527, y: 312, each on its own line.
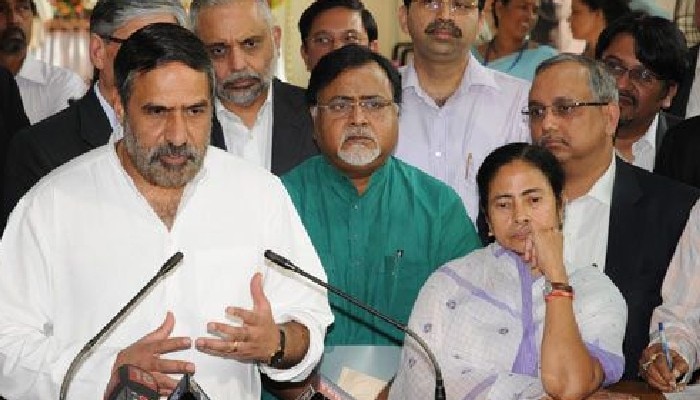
x: 77, y: 360
x: 131, y: 383
x: 188, y: 389
x: 288, y: 265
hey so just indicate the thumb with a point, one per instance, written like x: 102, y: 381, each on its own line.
x: 260, y: 302
x: 164, y: 330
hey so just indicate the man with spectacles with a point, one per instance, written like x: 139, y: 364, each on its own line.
x: 379, y: 225
x: 264, y: 120
x: 647, y: 57
x: 620, y: 218
x: 90, y: 121
x: 45, y: 88
x: 455, y: 111
x: 327, y: 25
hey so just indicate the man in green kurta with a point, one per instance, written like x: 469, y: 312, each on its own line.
x: 380, y: 226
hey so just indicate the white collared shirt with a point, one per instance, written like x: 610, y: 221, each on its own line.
x: 586, y: 223
x: 255, y: 144
x: 46, y: 89
x: 84, y: 240
x: 692, y: 109
x: 451, y: 142
x: 644, y: 149
x: 109, y: 111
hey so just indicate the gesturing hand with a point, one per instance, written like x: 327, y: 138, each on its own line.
x: 255, y: 340
x: 146, y: 352
x: 653, y: 367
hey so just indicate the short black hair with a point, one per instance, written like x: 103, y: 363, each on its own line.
x: 658, y: 43
x: 612, y: 9
x: 482, y: 3
x: 537, y: 156
x: 348, y: 57
x: 319, y: 6
x: 155, y: 45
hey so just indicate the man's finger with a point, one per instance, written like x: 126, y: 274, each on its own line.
x: 260, y: 302
x: 166, y: 366
x: 163, y: 331
x: 165, y: 383
x: 170, y: 345
x: 246, y: 316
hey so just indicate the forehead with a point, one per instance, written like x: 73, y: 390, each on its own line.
x: 231, y: 22
x: 366, y: 80
x: 125, y: 30
x: 337, y: 19
x: 623, y: 47
x: 171, y: 85
x: 515, y: 177
x: 565, y: 80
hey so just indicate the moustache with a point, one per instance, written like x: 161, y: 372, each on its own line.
x: 12, y: 40
x: 444, y: 25
x: 234, y: 77
x: 170, y: 150
x: 358, y: 132
x: 549, y: 138
x: 629, y: 96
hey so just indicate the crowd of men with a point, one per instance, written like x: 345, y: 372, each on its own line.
x: 178, y: 143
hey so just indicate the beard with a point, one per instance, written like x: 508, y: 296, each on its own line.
x: 226, y: 88
x: 147, y: 161
x: 358, y: 153
x: 12, y: 40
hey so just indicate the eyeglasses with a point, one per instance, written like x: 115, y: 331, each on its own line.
x: 560, y: 108
x: 113, y: 39
x: 339, y: 108
x: 327, y: 40
x: 456, y: 6
x: 638, y: 74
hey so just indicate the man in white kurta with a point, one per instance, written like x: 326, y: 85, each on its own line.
x: 86, y: 238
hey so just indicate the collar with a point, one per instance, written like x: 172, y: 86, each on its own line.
x: 33, y: 70
x: 475, y: 75
x: 223, y: 112
x: 344, y: 187
x: 603, y: 188
x: 650, y: 136
x: 106, y: 107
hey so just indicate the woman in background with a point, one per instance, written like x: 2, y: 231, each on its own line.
x: 510, y: 320
x: 510, y: 50
x: 589, y: 17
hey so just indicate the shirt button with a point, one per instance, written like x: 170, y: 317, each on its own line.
x: 355, y: 207
x: 503, y: 331
x: 438, y: 154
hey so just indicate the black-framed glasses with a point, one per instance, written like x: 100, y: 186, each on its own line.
x: 110, y: 38
x: 561, y: 109
x: 342, y: 107
x: 639, y: 74
x: 456, y: 6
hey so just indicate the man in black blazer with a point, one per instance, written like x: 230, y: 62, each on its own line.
x: 90, y: 121
x: 680, y: 152
x: 647, y: 56
x: 264, y: 120
x: 619, y: 217
x: 12, y: 116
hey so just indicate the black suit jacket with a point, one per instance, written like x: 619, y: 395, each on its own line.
x: 37, y: 150
x: 292, y: 128
x: 679, y: 156
x: 647, y: 215
x: 666, y: 122
x: 12, y: 115
x: 680, y: 100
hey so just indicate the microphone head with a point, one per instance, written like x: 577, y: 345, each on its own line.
x: 279, y: 260
x: 172, y: 262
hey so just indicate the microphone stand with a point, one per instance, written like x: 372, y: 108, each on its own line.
x: 288, y: 265
x: 77, y: 360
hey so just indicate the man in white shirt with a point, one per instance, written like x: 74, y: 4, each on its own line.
x: 454, y: 111
x: 45, y: 88
x: 624, y: 220
x: 89, y: 122
x: 264, y: 120
x: 90, y: 234
x: 647, y: 56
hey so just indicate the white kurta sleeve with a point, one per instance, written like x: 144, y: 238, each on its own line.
x: 291, y: 296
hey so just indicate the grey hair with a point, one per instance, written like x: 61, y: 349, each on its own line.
x: 602, y: 84
x: 110, y: 15
x: 197, y: 5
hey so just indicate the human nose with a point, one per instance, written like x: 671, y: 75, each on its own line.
x: 236, y: 60
x: 176, y: 129
x: 521, y: 213
x: 357, y: 114
x: 445, y: 9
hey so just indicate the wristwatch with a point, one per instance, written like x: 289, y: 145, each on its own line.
x: 277, y: 357
x: 552, y: 287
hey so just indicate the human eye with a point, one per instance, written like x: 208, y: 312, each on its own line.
x: 502, y: 204
x: 564, y: 109
x: 197, y: 110
x: 351, y: 38
x: 338, y: 106
x: 155, y: 111
x: 373, y: 104
x: 642, y: 74
x: 534, y: 111
x: 217, y: 51
x: 321, y: 40
x: 464, y: 5
x: 534, y: 199
x: 431, y: 4
x: 250, y: 44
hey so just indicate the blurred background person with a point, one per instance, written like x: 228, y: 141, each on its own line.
x: 510, y: 50
x: 492, y: 334
x: 589, y: 17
